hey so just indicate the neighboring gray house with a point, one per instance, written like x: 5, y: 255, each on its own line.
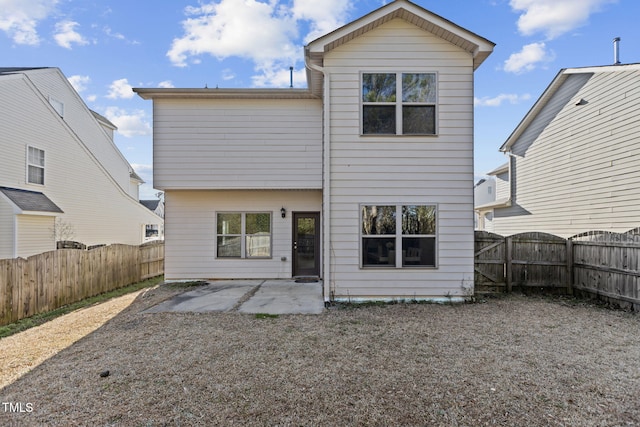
x: 156, y: 206
x: 484, y: 192
x: 364, y: 179
x: 61, y: 175
x: 574, y: 159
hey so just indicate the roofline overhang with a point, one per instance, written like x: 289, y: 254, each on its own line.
x: 502, y: 203
x: 479, y: 47
x: 215, y: 93
x: 553, y: 87
x: 500, y: 169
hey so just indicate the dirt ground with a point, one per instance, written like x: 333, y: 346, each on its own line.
x: 511, y: 361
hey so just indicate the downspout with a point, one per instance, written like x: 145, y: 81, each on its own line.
x: 512, y: 158
x: 326, y: 182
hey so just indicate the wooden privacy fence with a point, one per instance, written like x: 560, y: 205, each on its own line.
x: 53, y: 279
x: 603, y: 264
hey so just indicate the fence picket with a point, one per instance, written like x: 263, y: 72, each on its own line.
x: 597, y: 263
x: 53, y: 279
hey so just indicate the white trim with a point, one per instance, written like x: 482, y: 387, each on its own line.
x: 398, y: 237
x: 29, y: 164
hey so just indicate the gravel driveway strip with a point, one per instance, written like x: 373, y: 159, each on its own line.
x: 515, y: 361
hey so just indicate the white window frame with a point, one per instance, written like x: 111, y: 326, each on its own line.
x: 398, y: 237
x: 244, y: 253
x: 399, y: 104
x: 57, y: 105
x: 31, y: 164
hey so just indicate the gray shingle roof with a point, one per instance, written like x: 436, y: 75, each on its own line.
x: 150, y: 204
x: 30, y: 200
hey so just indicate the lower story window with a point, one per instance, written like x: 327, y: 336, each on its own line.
x: 243, y: 235
x: 398, y: 235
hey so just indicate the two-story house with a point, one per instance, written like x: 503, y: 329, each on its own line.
x: 364, y: 179
x: 61, y: 175
x: 573, y: 159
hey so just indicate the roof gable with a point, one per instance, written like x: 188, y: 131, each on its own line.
x: 557, y: 85
x: 479, y: 47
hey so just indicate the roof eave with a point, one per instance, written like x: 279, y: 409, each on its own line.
x: 478, y: 46
x: 535, y: 110
x: 215, y: 93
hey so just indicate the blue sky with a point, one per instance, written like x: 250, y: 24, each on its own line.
x: 106, y: 47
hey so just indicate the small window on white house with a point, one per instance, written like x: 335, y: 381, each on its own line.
x: 243, y: 235
x: 35, y: 166
x: 57, y: 105
x: 412, y: 228
x: 399, y: 103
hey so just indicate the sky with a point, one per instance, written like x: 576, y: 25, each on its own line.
x: 106, y: 47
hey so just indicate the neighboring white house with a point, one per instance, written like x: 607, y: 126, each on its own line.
x: 364, y: 179
x: 484, y: 192
x: 154, y: 231
x: 61, y: 175
x: 573, y: 159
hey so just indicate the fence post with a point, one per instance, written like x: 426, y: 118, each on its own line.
x: 570, y: 267
x: 507, y: 262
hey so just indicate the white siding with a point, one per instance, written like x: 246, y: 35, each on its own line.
x: 577, y: 165
x: 402, y: 170
x: 51, y: 82
x: 190, y: 232
x: 237, y: 144
x: 98, y: 209
x: 35, y: 234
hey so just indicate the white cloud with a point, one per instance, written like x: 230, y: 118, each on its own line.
x: 554, y: 17
x: 110, y: 33
x: 120, y: 89
x: 528, y: 58
x: 497, y: 101
x: 228, y: 74
x: 325, y: 16
x: 166, y: 84
x: 79, y: 83
x: 66, y: 34
x: 20, y: 18
x: 129, y: 123
x: 221, y: 30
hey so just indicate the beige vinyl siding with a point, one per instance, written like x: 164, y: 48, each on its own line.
x: 503, y: 186
x: 237, y: 144
x: 191, y: 234
x: 578, y: 172
x: 99, y: 211
x: 35, y: 234
x: 51, y: 82
x: 402, y: 169
x: 7, y: 230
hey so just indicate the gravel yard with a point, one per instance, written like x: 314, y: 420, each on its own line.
x: 512, y: 361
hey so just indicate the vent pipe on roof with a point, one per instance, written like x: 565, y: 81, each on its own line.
x: 291, y: 76
x: 616, y: 51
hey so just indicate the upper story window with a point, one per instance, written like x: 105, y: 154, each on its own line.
x: 399, y: 103
x: 35, y: 166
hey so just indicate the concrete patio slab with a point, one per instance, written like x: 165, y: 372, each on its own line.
x: 248, y: 296
x: 285, y: 297
x: 217, y: 296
